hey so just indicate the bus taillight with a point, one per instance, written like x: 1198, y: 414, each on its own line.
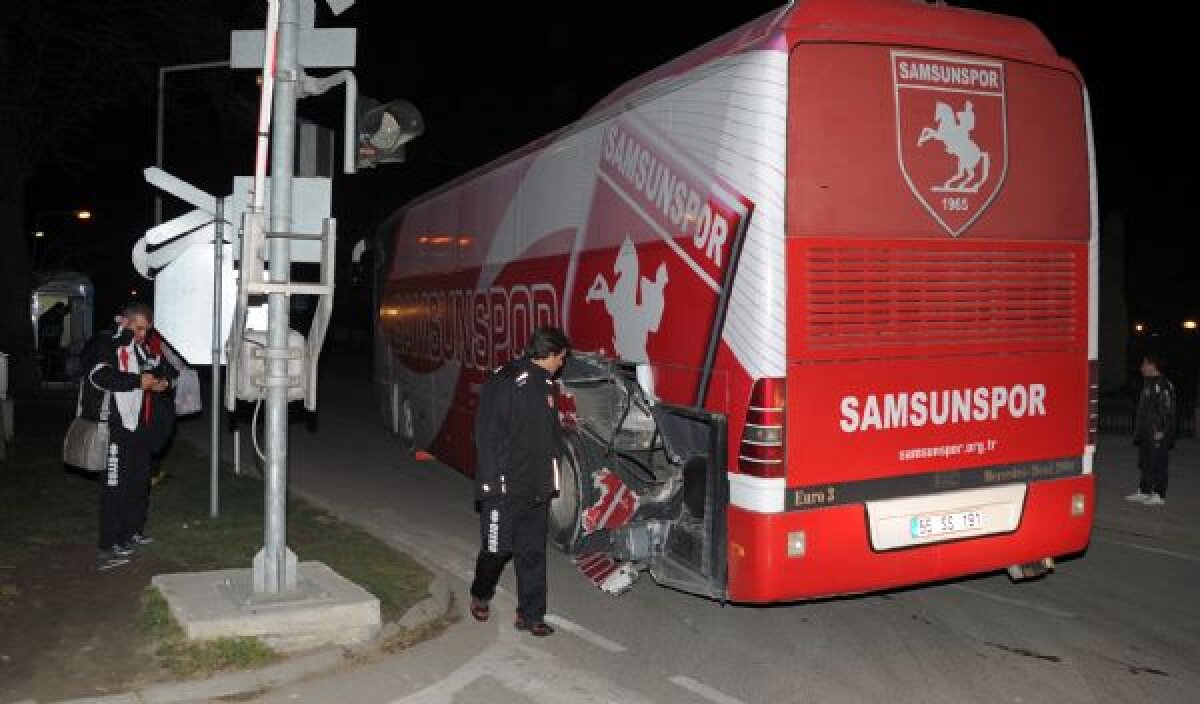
x: 761, y: 451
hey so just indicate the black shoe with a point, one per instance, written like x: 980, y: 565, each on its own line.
x: 139, y: 539
x: 120, y: 550
x: 541, y: 629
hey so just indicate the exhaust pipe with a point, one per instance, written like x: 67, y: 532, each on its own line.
x: 1030, y: 570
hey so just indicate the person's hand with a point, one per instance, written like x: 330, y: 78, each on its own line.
x: 161, y: 385
x: 149, y: 381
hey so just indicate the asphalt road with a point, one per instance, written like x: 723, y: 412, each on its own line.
x: 1119, y: 624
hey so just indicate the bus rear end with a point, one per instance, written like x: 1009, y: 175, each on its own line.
x: 941, y: 324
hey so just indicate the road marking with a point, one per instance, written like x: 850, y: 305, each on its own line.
x: 703, y: 690
x: 1015, y: 602
x: 510, y: 671
x: 1147, y: 548
x: 594, y: 638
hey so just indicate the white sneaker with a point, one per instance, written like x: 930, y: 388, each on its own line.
x: 1138, y: 496
x: 1155, y: 500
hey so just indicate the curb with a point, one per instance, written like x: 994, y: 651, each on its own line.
x: 428, y: 610
x: 433, y: 607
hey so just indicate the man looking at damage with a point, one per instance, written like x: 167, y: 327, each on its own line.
x: 518, y: 440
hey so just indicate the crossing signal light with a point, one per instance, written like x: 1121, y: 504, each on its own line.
x: 384, y: 129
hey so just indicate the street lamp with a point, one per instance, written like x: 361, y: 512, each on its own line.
x: 158, y: 142
x: 69, y: 218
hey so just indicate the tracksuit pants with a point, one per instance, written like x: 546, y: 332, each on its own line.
x: 124, y: 488
x: 514, y: 527
x: 1152, y: 460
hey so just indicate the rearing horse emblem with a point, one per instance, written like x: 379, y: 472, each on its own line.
x: 958, y: 102
x: 954, y: 132
x: 633, y: 319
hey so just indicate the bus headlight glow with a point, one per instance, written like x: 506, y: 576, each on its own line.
x: 1078, y: 504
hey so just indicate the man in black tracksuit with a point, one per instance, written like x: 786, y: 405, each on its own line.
x: 518, y: 442
x: 122, y: 369
x: 1154, y: 432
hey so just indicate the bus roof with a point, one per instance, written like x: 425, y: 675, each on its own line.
x: 912, y: 23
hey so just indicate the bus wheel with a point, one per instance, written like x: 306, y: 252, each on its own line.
x: 406, y: 426
x: 565, y: 525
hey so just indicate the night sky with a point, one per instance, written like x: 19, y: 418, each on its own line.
x: 488, y: 81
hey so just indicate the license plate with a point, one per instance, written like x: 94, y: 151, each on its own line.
x: 925, y: 525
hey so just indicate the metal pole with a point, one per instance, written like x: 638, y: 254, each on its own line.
x: 215, y: 446
x: 279, y: 570
x: 158, y: 135
x: 158, y: 141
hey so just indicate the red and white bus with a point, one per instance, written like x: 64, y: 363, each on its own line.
x: 831, y: 282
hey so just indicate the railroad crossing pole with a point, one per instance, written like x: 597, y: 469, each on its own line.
x: 278, y: 563
x: 289, y: 45
x: 271, y: 368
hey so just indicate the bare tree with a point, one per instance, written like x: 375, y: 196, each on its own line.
x: 63, y: 64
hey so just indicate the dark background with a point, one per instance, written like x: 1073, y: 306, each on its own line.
x: 489, y: 79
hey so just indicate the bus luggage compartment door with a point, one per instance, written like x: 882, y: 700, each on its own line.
x: 693, y: 559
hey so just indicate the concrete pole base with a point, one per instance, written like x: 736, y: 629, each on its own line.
x: 324, y: 609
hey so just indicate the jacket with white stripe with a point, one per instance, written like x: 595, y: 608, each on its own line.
x: 518, y: 437
x: 116, y: 367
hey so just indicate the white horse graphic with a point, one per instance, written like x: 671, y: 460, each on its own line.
x: 954, y: 132
x: 632, y: 321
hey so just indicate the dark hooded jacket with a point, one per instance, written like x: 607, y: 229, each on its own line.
x: 1156, y: 412
x: 518, y: 437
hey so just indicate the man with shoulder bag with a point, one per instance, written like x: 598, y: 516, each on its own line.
x: 119, y: 376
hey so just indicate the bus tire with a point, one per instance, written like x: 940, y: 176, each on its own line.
x: 566, y: 510
x: 406, y: 421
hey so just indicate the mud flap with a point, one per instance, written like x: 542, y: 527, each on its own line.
x: 694, y: 557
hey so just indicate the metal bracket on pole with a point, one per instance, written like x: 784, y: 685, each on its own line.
x: 267, y: 353
x: 317, y: 86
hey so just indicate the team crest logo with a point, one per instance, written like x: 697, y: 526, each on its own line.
x: 633, y: 319
x: 951, y: 132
